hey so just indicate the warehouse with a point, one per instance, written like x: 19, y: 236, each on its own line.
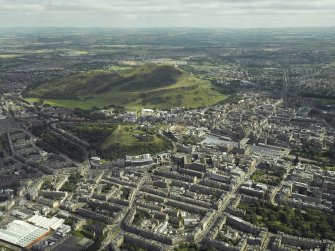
x: 22, y: 234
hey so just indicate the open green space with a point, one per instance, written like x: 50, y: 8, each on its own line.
x: 78, y: 234
x: 327, y: 157
x: 113, y: 141
x: 52, y: 142
x: 329, y: 168
x: 309, y: 223
x: 153, y: 86
x: 7, y: 56
x: 71, y: 104
x: 71, y: 184
x: 267, y: 177
x: 47, y: 184
x: 93, y: 133
x: 126, y: 135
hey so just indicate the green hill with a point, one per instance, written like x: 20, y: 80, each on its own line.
x: 154, y: 86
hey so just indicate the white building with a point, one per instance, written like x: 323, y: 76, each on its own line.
x: 140, y: 160
x: 22, y: 234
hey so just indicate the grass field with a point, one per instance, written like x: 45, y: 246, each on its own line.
x: 161, y: 87
x: 176, y: 96
x: 124, y: 135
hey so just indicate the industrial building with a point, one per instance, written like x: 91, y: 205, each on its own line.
x: 22, y: 234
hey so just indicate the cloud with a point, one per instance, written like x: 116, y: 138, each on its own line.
x: 148, y: 13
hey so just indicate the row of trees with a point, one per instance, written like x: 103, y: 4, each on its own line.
x: 119, y: 151
x: 93, y: 133
x: 55, y: 143
x: 327, y: 156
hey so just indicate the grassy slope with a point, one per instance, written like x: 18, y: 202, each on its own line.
x: 146, y: 86
x: 116, y: 141
x: 123, y: 135
x: 71, y: 104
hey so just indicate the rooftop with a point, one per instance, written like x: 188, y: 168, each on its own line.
x: 41, y: 221
x: 21, y: 233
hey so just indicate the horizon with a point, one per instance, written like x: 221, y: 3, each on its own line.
x: 176, y: 13
x: 167, y: 27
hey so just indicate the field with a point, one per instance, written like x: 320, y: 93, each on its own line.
x: 201, y: 95
x: 149, y: 86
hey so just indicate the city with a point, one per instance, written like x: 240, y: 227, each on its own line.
x: 171, y: 139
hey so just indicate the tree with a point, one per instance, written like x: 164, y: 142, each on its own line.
x: 296, y: 160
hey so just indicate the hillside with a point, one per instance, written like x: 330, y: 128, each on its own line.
x: 146, y: 86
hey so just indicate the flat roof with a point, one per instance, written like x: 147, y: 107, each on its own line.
x: 46, y: 223
x: 212, y: 140
x: 21, y: 233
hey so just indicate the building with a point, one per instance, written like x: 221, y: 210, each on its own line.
x: 53, y: 223
x: 147, y: 112
x: 140, y: 160
x: 21, y: 234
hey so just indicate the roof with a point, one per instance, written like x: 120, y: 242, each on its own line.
x: 21, y: 233
x: 46, y: 223
x: 139, y: 158
x: 212, y: 140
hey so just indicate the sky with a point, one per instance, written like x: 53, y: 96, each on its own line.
x: 167, y: 13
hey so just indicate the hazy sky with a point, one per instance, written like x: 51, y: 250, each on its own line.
x: 168, y: 13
